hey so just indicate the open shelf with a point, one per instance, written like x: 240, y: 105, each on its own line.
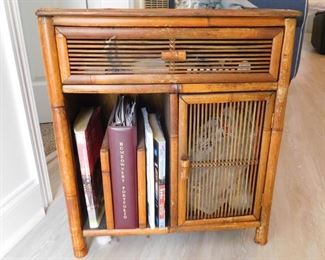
x: 164, y: 104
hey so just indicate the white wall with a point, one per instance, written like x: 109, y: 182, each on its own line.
x: 320, y: 3
x: 139, y: 3
x: 29, y: 22
x: 27, y: 11
x: 21, y: 204
x: 314, y: 7
x: 110, y: 3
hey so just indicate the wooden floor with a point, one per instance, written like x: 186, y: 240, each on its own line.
x: 297, y: 228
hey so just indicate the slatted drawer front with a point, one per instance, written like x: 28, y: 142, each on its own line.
x: 114, y: 57
x: 223, y: 146
x: 119, y: 56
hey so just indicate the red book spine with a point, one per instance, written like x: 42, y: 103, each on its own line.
x: 88, y: 146
x: 123, y: 145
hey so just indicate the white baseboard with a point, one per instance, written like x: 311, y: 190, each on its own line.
x: 20, y: 211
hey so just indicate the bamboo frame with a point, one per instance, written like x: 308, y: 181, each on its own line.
x: 173, y: 165
x: 227, y: 87
x: 247, y: 13
x: 62, y: 47
x: 166, y: 33
x: 225, y: 97
x: 62, y: 135
x: 202, y: 99
x: 182, y: 146
x: 120, y: 89
x: 170, y: 88
x: 167, y: 78
x: 166, y: 22
x: 58, y: 26
x: 265, y: 146
x: 275, y: 55
x: 261, y: 235
x: 192, y: 228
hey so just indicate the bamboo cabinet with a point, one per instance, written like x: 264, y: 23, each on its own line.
x: 219, y: 78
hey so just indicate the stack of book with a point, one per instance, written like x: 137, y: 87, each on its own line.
x: 156, y: 170
x: 119, y: 151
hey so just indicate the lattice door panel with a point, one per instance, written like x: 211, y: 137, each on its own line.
x: 222, y: 142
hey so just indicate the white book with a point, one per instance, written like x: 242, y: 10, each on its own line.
x: 159, y: 144
x: 149, y: 168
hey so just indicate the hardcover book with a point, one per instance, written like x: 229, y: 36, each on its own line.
x: 141, y: 179
x: 159, y: 151
x: 122, y: 136
x: 89, y: 135
x: 150, y: 168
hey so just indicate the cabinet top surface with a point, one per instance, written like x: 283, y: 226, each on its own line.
x: 169, y: 12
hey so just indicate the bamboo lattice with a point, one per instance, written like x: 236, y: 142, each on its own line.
x: 224, y: 142
x: 143, y: 56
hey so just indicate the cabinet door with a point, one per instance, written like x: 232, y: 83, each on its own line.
x: 223, y: 147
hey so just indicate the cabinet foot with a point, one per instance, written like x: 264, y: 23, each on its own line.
x: 261, y: 235
x: 79, y: 253
x: 80, y: 248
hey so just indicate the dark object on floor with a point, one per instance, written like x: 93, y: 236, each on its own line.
x: 318, y: 34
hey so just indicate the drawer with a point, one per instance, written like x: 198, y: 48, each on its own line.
x: 168, y: 55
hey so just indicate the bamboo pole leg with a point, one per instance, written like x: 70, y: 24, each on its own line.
x: 69, y: 180
x: 62, y: 134
x: 261, y: 235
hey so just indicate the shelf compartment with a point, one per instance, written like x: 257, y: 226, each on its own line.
x: 165, y: 105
